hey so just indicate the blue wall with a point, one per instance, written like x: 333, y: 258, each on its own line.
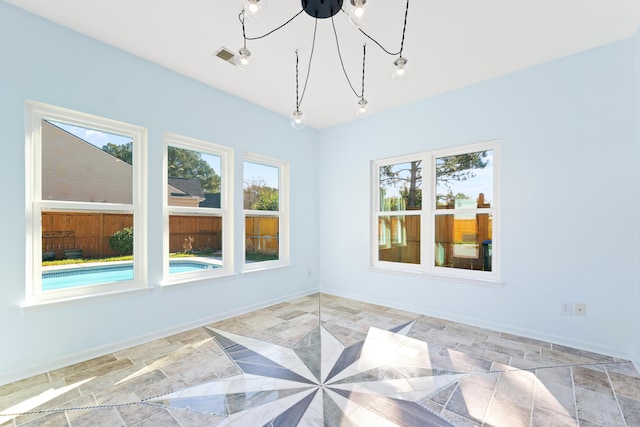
x: 568, y: 197
x: 44, y: 62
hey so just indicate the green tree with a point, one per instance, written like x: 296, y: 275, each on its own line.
x: 190, y: 164
x: 258, y: 196
x: 460, y: 167
x: 123, y: 152
x: 181, y: 164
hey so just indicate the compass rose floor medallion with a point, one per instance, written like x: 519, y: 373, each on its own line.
x: 378, y: 381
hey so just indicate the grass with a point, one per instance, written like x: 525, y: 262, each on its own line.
x: 261, y: 257
x: 250, y: 257
x: 86, y: 260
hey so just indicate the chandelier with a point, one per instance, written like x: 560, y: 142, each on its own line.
x: 254, y: 10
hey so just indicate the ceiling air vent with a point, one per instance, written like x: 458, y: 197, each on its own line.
x: 226, y: 55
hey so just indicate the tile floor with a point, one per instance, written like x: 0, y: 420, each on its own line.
x: 324, y: 360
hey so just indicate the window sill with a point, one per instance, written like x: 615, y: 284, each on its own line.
x: 44, y: 303
x: 266, y: 268
x: 465, y: 280
x: 194, y: 281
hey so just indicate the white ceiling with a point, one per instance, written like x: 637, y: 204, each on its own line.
x: 449, y: 44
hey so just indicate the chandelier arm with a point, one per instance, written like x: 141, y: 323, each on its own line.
x: 342, y: 63
x: 404, y: 27
x: 297, y: 98
x: 270, y: 32
x: 313, y: 48
x: 364, y: 56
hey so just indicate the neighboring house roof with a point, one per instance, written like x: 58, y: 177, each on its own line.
x: 212, y: 200
x: 187, y: 187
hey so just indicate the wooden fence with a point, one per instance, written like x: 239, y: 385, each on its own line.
x: 90, y: 231
x: 262, y: 235
x: 453, y: 235
x: 195, y: 233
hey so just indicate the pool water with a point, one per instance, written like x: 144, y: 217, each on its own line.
x: 84, y: 276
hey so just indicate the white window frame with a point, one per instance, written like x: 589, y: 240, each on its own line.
x: 428, y: 212
x: 35, y: 113
x: 225, y: 211
x: 282, y: 213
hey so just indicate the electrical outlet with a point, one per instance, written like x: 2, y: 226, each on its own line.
x: 566, y: 308
x: 581, y: 309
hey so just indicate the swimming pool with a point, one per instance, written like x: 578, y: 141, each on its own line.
x: 83, y: 276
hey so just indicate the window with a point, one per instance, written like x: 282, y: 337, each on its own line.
x: 198, y: 225
x: 86, y: 183
x: 265, y: 213
x: 436, y: 212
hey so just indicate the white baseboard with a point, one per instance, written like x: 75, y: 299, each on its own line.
x: 70, y: 359
x: 528, y: 333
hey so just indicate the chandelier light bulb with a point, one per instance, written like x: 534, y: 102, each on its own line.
x: 401, y: 68
x: 362, y: 107
x: 297, y: 120
x: 242, y: 60
x: 255, y: 10
x: 358, y: 11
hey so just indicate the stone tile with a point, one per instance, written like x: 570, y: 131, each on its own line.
x: 524, y: 340
x: 188, y: 336
x: 568, y: 357
x: 102, y: 382
x: 149, y: 351
x: 21, y: 394
x: 96, y: 417
x: 446, y: 339
x: 484, y: 353
x: 79, y: 367
x: 542, y: 361
x: 594, y: 357
x: 34, y: 381
x: 442, y: 397
x: 504, y: 413
x: 544, y: 418
x: 592, y: 380
x: 515, y: 388
x: 560, y: 376
x: 194, y: 419
x: 97, y: 371
x: 126, y: 389
x: 625, y: 385
x: 159, y: 388
x: 457, y: 420
x: 630, y: 410
x: 56, y: 419
x: 183, y: 358
x: 457, y: 361
x: 554, y: 398
x: 70, y: 399
x: 598, y: 408
x: 624, y: 368
x: 435, y: 323
x: 478, y: 334
x: 509, y: 351
x: 207, y: 371
x: 134, y: 414
x: 524, y: 347
x: 471, y: 398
